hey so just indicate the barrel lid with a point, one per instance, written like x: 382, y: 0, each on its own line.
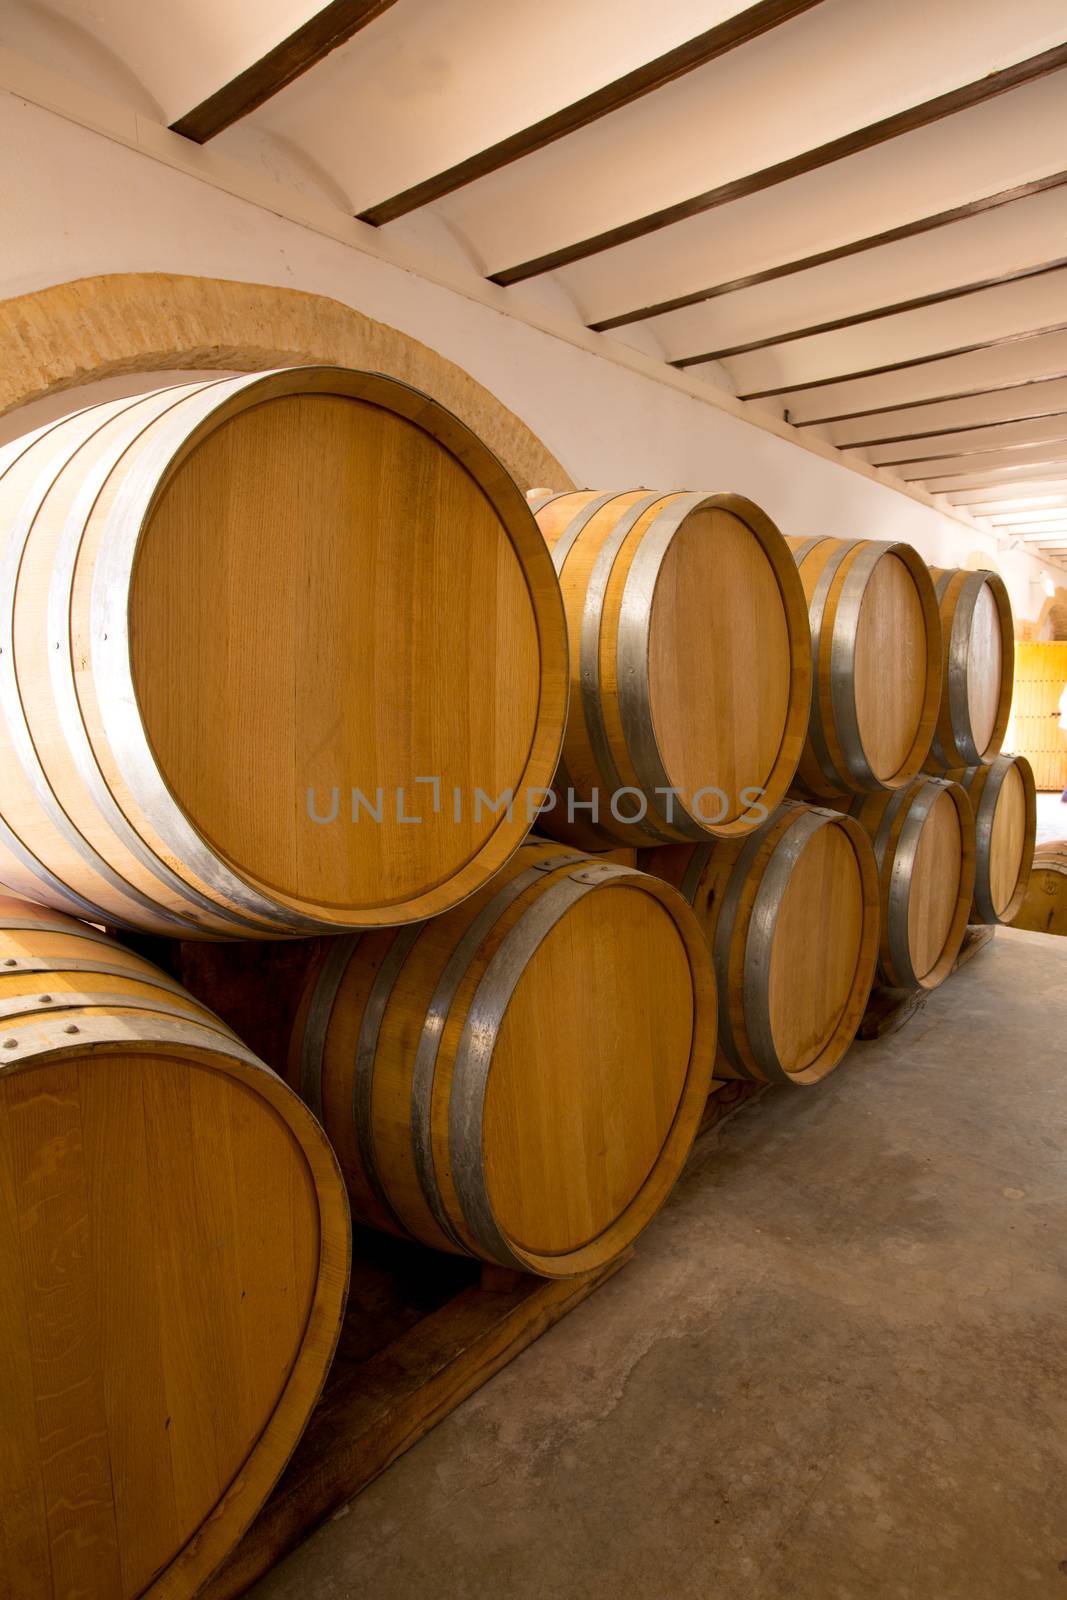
x: 343, y: 626
x: 721, y: 668
x: 934, y: 892
x: 820, y: 940
x: 591, y: 1064
x: 890, y: 670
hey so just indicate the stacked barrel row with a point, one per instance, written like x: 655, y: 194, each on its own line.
x: 288, y: 657
x: 877, y: 864
x: 283, y: 657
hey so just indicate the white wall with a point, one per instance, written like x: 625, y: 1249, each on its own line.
x: 77, y: 203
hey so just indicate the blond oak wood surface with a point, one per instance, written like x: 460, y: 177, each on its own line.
x: 935, y: 884
x: 174, y: 1250
x: 817, y: 947
x: 1008, y: 842
x: 192, y: 709
x: 978, y: 660
x: 1004, y: 801
x: 1044, y: 904
x: 876, y: 646
x: 890, y: 703
x: 987, y: 652
x: 791, y: 916
x: 606, y: 1010
x: 689, y: 664
x: 924, y: 845
x: 520, y: 1079
x: 721, y: 705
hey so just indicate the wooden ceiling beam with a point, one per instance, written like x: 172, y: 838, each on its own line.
x: 857, y: 319
x: 903, y: 366
x: 849, y: 144
x: 334, y: 25
x: 940, y: 433
x: 725, y: 36
x: 1055, y: 467
x: 963, y: 455
x: 934, y: 400
x: 822, y: 258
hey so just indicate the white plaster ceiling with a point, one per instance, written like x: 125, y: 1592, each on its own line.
x: 965, y: 394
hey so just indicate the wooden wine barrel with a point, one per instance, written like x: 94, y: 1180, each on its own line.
x: 520, y: 1079
x: 1004, y: 802
x: 251, y: 629
x: 876, y: 650
x: 690, y: 675
x: 924, y: 845
x: 978, y: 664
x: 791, y: 916
x: 174, y: 1249
x: 1044, y: 905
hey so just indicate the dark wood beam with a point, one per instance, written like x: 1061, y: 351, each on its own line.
x: 1032, y: 521
x: 856, y: 319
x: 849, y: 144
x: 315, y: 39
x: 1054, y: 464
x: 725, y: 36
x: 940, y: 433
x: 934, y: 400
x: 996, y: 494
x: 822, y: 258
x: 963, y: 455
x: 903, y: 366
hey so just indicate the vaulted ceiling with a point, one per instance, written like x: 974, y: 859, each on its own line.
x: 850, y: 213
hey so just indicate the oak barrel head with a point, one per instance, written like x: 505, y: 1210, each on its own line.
x: 315, y: 641
x: 520, y: 1079
x: 173, y: 1266
x: 690, y: 668
x: 791, y: 915
x: 1004, y: 802
x: 876, y: 652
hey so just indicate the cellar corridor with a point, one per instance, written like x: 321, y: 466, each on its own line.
x: 834, y: 1370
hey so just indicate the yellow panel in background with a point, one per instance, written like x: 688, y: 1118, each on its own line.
x: 1034, y: 730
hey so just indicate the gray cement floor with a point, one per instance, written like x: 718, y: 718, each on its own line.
x: 836, y: 1368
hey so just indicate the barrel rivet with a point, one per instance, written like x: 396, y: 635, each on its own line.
x: 11, y: 962
x: 44, y: 999
x: 71, y: 1029
x: 9, y: 1044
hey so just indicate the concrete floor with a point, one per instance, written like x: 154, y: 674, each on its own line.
x: 836, y: 1368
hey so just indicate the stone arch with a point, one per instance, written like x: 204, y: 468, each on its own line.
x: 93, y: 328
x: 1056, y: 621
x: 1051, y: 625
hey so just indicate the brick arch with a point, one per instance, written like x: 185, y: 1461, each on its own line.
x: 102, y: 327
x: 1056, y: 621
x: 1051, y: 625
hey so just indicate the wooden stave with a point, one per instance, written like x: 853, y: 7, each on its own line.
x: 982, y: 785
x: 742, y: 873
x: 894, y: 823
x: 38, y: 1031
x: 564, y: 518
x: 829, y: 767
x: 122, y: 901
x: 953, y: 744
x: 225, y: 904
x: 496, y: 926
